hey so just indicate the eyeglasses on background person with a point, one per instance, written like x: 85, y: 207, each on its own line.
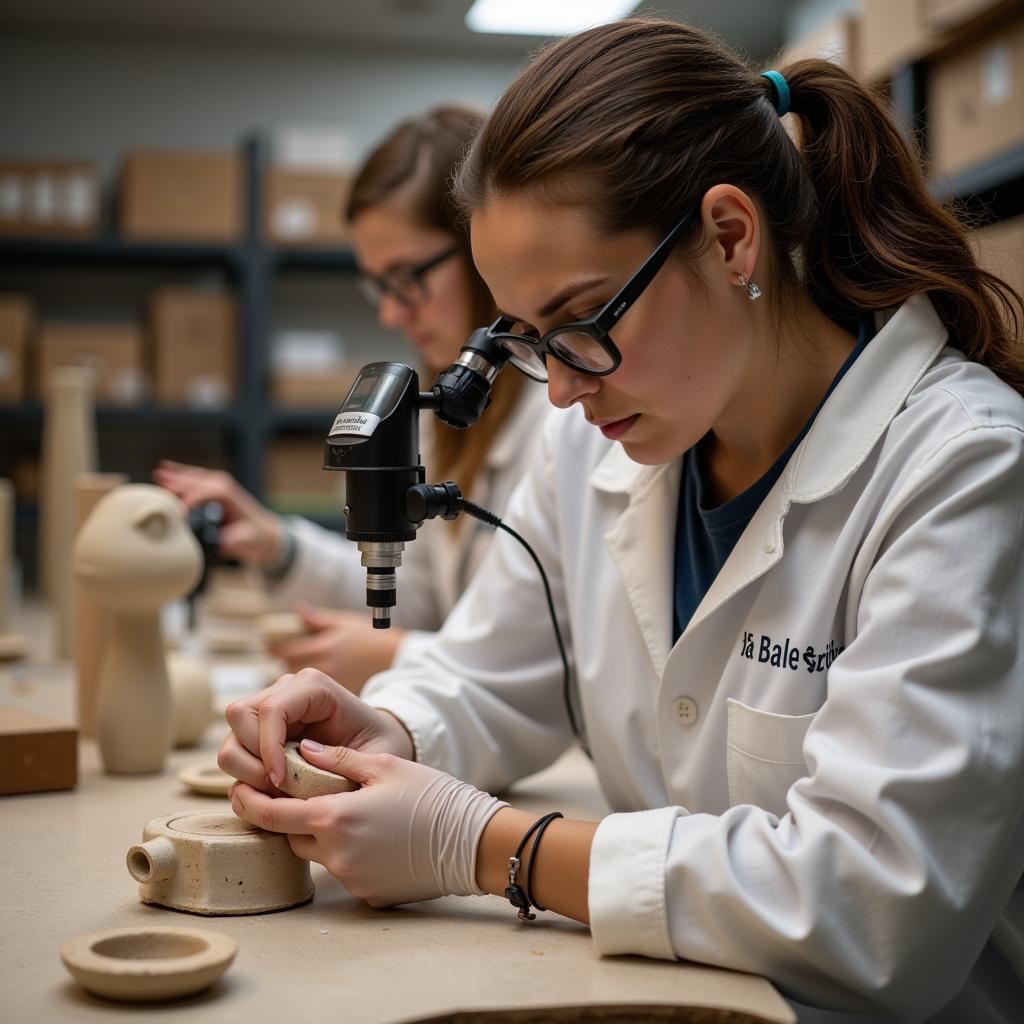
x: 407, y: 285
x: 585, y: 345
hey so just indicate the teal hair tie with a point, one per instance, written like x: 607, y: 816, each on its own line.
x: 781, y: 87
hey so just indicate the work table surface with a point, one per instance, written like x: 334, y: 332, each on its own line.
x: 64, y: 874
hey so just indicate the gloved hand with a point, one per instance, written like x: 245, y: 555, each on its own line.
x: 409, y: 832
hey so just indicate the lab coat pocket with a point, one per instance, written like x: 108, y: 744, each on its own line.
x: 765, y: 755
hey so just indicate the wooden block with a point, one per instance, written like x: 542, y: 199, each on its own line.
x: 36, y: 754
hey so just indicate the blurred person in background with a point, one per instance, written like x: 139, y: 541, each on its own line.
x: 415, y: 267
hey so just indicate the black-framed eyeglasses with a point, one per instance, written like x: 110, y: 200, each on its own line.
x: 407, y: 285
x: 585, y: 345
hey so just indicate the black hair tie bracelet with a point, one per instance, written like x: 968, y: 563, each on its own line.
x: 522, y: 899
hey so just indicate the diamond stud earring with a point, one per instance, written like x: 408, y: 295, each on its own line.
x: 753, y: 292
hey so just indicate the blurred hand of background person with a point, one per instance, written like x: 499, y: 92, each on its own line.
x: 341, y: 644
x: 251, y: 533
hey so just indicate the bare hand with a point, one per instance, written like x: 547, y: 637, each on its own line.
x: 343, y: 645
x: 307, y: 704
x: 251, y: 533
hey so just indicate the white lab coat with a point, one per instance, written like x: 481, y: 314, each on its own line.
x: 439, y: 563
x: 822, y: 781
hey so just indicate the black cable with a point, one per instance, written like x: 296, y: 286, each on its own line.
x: 485, y: 516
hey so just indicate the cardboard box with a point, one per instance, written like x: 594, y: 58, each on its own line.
x: 313, y: 391
x: 976, y: 101
x: 113, y: 350
x: 306, y: 209
x: 171, y: 196
x: 49, y: 198
x: 16, y: 318
x: 1000, y: 249
x: 194, y: 338
x: 948, y: 15
x: 892, y: 32
x: 295, y: 479
x: 836, y: 40
x: 36, y: 754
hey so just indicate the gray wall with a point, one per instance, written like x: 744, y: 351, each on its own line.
x: 93, y: 95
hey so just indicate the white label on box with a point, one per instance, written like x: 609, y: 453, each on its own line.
x: 313, y: 148
x: 127, y: 387
x: 207, y: 391
x: 42, y: 198
x: 77, y: 199
x: 996, y: 74
x: 297, y: 351
x: 294, y: 219
x: 12, y: 197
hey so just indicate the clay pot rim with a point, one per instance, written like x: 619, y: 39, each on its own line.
x: 79, y: 953
x: 200, y: 779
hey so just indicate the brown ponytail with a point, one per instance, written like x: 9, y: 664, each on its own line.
x: 418, y: 158
x: 639, y: 118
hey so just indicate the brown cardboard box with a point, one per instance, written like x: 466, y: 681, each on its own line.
x: 313, y: 391
x: 976, y: 101
x: 171, y: 196
x: 36, y: 754
x: 1000, y: 249
x: 836, y: 40
x: 306, y: 209
x: 114, y: 350
x: 295, y: 479
x: 194, y: 343
x: 892, y: 32
x: 16, y: 318
x: 947, y: 15
x: 49, y: 197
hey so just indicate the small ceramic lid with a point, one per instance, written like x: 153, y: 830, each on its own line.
x: 151, y: 963
x: 303, y: 780
x: 205, y: 777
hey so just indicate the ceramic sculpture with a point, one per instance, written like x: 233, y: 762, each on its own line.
x: 91, y: 618
x: 280, y: 627
x: 69, y: 448
x: 217, y: 864
x: 303, y: 780
x: 148, y: 964
x: 133, y: 554
x: 192, y: 696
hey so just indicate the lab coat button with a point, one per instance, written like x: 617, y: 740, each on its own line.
x: 684, y: 710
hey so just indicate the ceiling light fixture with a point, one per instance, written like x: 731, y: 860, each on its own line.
x: 543, y: 17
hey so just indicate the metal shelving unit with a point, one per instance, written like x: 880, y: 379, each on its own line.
x: 250, y: 265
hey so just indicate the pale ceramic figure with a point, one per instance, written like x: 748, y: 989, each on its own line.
x: 68, y: 448
x: 135, y: 553
x: 148, y: 964
x: 217, y: 864
x: 192, y: 694
x: 91, y: 618
x: 303, y: 780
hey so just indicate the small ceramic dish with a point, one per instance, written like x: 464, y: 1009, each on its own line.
x: 278, y: 627
x: 148, y: 964
x: 303, y: 780
x: 206, y: 778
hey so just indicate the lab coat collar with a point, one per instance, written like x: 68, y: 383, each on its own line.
x: 865, y: 401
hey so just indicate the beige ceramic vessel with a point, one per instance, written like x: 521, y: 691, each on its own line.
x: 148, y: 964
x: 217, y: 864
x: 192, y: 696
x: 303, y: 780
x: 206, y: 778
x: 279, y: 627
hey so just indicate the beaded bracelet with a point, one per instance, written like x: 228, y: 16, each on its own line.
x: 522, y: 899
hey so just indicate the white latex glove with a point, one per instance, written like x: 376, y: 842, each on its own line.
x: 409, y: 832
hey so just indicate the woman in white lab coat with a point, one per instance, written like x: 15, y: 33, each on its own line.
x: 415, y: 264
x: 783, y: 535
